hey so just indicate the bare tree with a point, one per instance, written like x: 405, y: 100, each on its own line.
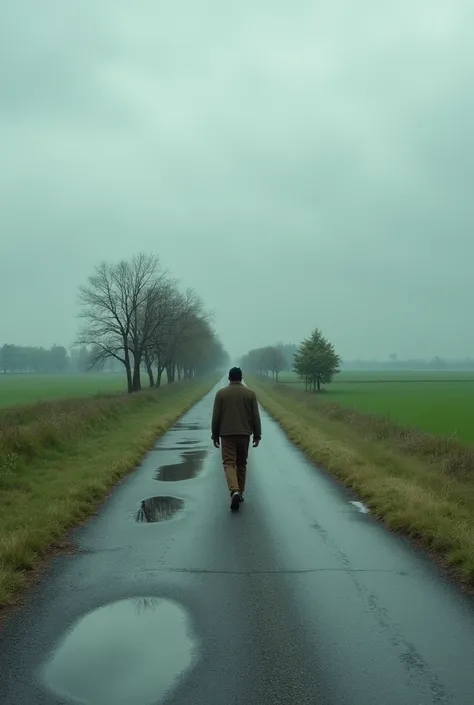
x: 159, y: 317
x: 183, y: 310
x: 153, y: 315
x: 134, y: 312
x: 112, y: 306
x: 265, y: 361
x: 105, y: 309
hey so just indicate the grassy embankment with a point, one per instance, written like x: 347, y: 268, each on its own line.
x: 419, y: 484
x: 59, y: 459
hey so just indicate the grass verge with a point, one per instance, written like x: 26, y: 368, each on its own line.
x: 420, y: 485
x: 59, y: 460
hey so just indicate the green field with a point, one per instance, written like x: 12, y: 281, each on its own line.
x: 28, y: 389
x: 435, y: 402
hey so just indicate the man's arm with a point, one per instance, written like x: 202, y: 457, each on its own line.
x: 256, y: 421
x: 216, y: 417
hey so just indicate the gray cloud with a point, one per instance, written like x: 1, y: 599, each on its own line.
x: 300, y: 164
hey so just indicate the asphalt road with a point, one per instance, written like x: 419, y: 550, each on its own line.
x: 300, y: 598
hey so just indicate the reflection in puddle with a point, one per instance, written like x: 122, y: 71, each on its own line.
x: 128, y: 653
x: 155, y: 509
x: 178, y: 446
x: 190, y: 465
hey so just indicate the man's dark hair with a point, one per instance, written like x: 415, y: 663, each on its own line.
x: 235, y: 374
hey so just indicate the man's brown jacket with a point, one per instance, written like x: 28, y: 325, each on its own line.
x: 236, y: 412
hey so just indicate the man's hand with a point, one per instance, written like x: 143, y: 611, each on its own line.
x: 256, y: 442
x: 216, y: 443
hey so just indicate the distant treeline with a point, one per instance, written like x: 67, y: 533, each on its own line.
x: 436, y: 363
x: 15, y: 359
x: 279, y: 358
x: 271, y: 359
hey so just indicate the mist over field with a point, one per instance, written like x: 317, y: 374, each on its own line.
x: 298, y: 164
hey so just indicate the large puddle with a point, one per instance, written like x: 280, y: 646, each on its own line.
x: 190, y: 465
x: 155, y: 509
x: 128, y: 653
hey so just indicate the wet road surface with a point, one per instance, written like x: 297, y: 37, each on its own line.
x: 300, y: 598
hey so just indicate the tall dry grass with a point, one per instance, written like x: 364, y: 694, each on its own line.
x: 28, y: 432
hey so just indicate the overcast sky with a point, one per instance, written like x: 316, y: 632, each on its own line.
x: 299, y: 163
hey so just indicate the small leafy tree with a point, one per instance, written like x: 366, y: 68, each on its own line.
x: 316, y: 361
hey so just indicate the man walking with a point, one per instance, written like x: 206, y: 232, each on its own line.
x: 235, y: 418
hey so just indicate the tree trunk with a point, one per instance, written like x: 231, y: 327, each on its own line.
x: 136, y: 382
x: 179, y: 373
x: 128, y: 371
x: 129, y: 378
x: 151, y: 378
x: 149, y: 369
x: 318, y: 378
x: 170, y: 372
x: 159, y: 375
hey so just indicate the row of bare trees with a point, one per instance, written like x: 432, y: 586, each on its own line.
x: 135, y: 312
x: 267, y: 361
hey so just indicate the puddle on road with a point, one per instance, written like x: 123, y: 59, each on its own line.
x: 188, y: 427
x: 127, y: 653
x: 190, y: 465
x: 156, y: 509
x: 178, y: 446
x: 157, y: 449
